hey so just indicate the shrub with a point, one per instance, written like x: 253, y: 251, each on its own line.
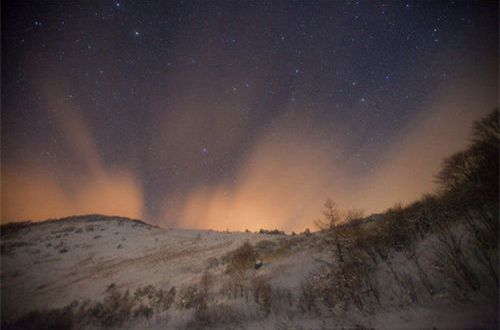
x: 165, y: 299
x: 411, y: 254
x: 348, y: 279
x: 115, y: 309
x: 147, y: 291
x: 282, y: 300
x: 262, y: 294
x: 212, y: 262
x: 272, y: 232
x: 397, y: 228
x: 266, y: 246
x: 309, y: 293
x: 242, y: 259
x: 453, y: 264
x: 15, y: 227
x: 483, y: 230
x: 44, y: 320
x: 190, y: 297
x: 407, y: 284
x: 8, y: 248
x: 206, y: 282
x: 143, y: 311
x: 217, y: 315
x: 351, y: 279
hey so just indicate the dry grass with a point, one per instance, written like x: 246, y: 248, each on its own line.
x: 241, y: 260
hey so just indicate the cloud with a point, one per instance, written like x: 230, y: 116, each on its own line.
x: 291, y: 170
x: 38, y: 191
x: 282, y: 183
x: 286, y: 171
x: 36, y: 194
x: 408, y: 166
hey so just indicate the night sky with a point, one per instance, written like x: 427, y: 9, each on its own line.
x: 234, y: 115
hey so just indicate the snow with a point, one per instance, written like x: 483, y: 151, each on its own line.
x: 40, y: 275
x: 49, y: 265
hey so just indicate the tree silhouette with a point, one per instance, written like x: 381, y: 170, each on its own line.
x: 472, y: 175
x: 332, y: 216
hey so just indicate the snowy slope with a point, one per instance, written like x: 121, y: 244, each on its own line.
x: 48, y: 265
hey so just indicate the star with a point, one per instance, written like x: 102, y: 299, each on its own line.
x: 182, y: 80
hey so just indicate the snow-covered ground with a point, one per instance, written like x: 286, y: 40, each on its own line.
x: 49, y: 265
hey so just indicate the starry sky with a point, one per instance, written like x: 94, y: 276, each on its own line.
x: 235, y: 115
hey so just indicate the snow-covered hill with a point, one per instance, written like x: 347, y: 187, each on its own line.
x: 50, y: 265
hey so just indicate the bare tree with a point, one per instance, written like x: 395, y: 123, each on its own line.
x: 332, y: 216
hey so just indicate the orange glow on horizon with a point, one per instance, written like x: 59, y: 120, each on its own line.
x: 282, y: 181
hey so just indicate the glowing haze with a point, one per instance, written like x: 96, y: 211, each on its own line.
x: 236, y: 116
